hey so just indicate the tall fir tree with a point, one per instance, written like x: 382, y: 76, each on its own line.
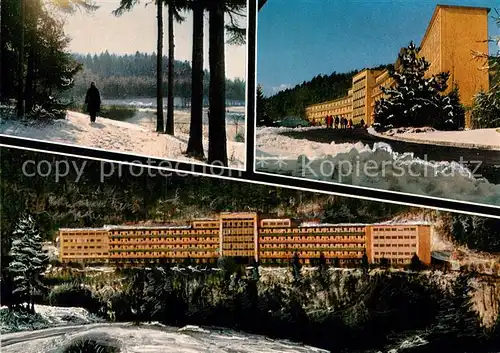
x: 263, y: 118
x: 29, y: 261
x: 416, y: 100
x: 486, y: 106
x: 296, y: 266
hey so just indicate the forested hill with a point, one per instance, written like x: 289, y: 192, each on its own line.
x: 293, y: 101
x: 131, y: 76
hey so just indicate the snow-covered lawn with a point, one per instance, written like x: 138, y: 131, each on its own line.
x: 270, y: 142
x: 136, y: 136
x: 377, y: 167
x: 478, y: 137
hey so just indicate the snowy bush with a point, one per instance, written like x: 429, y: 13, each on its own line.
x: 7, y: 112
x: 486, y: 108
x: 73, y: 295
x: 415, y: 100
x: 43, y: 114
x: 239, y: 137
x: 92, y: 344
x: 21, y: 320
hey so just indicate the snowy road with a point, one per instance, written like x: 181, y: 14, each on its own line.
x: 357, y: 158
x: 148, y: 338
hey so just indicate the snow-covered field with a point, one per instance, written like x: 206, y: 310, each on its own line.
x: 478, y: 137
x: 377, y: 167
x: 135, y: 136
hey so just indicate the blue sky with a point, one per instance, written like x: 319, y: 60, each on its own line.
x: 299, y: 39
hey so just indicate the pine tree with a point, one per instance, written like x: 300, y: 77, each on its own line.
x: 323, y: 276
x: 195, y: 143
x: 296, y: 266
x: 364, y: 263
x: 486, y: 107
x: 457, y: 321
x: 415, y: 264
x: 29, y: 261
x: 415, y: 100
x: 263, y: 118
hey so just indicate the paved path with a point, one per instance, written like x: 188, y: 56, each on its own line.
x: 484, y: 139
x: 489, y: 159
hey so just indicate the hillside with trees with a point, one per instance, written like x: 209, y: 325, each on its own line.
x: 321, y: 88
x: 293, y: 101
x: 134, y: 76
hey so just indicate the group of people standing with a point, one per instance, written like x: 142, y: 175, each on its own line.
x: 344, y: 123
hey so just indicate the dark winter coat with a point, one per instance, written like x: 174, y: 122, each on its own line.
x: 93, y: 100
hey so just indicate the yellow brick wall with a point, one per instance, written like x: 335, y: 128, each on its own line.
x: 464, y: 30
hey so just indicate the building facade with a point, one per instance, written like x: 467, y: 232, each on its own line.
x: 247, y: 236
x: 453, y: 34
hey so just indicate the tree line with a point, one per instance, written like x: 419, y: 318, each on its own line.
x: 293, y: 101
x: 131, y: 76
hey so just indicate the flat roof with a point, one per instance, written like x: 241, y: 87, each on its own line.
x: 303, y: 224
x: 312, y: 224
x: 388, y: 223
x: 400, y: 223
x: 71, y: 229
x: 146, y: 227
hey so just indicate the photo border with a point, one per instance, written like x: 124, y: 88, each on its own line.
x: 246, y: 164
x: 250, y: 175
x: 376, y: 194
x: 270, y: 179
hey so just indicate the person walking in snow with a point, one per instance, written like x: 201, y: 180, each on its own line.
x: 336, y: 122
x: 93, y: 101
x: 362, y: 124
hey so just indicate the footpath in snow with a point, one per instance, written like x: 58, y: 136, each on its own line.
x: 136, y: 136
x: 374, y: 167
x: 478, y: 138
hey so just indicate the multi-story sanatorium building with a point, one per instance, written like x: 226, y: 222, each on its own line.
x: 246, y: 235
x: 453, y: 34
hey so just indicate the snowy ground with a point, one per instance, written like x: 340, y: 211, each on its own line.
x: 135, y: 136
x: 153, y: 338
x: 478, y: 137
x: 377, y: 167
